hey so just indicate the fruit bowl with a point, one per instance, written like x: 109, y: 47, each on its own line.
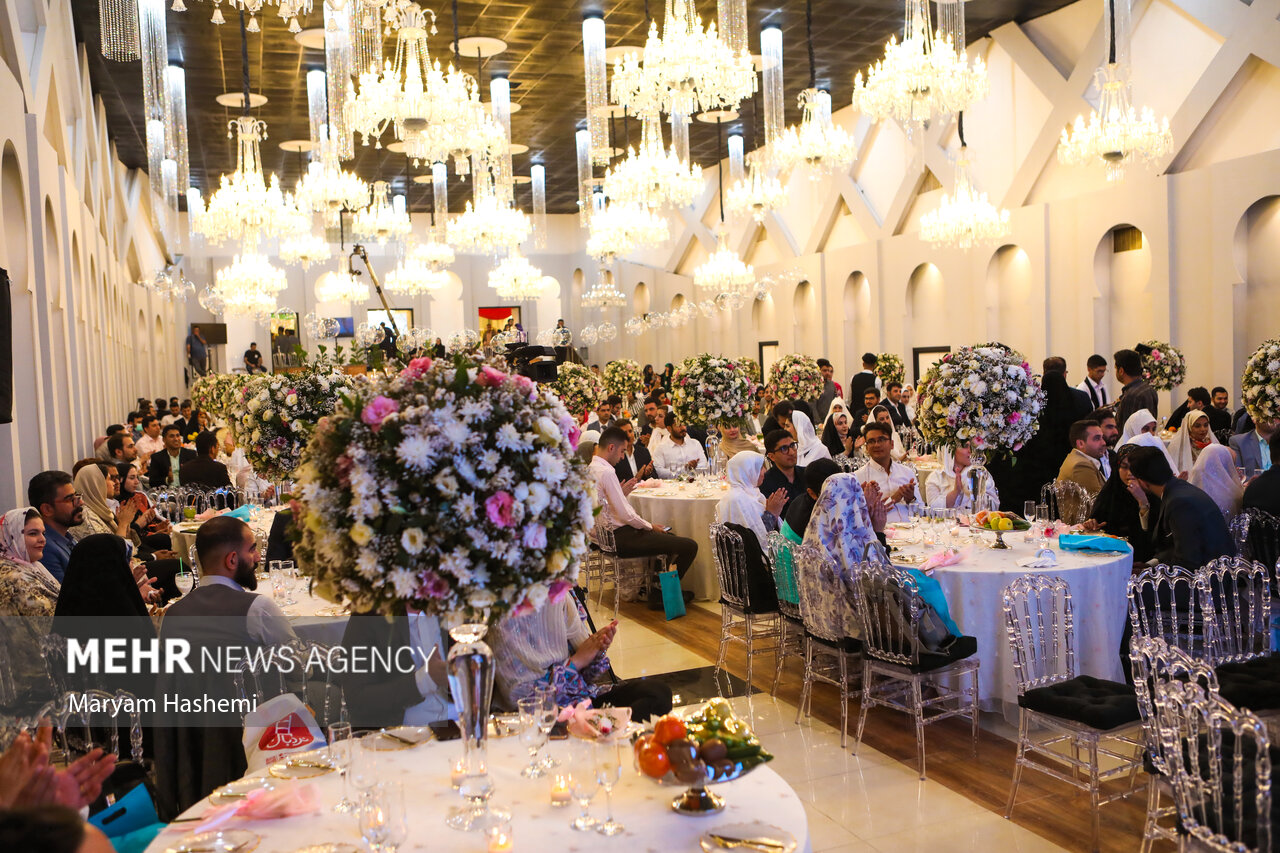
x: 999, y: 523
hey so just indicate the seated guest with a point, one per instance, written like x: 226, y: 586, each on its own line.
x: 1187, y: 443
x: 636, y: 463
x: 601, y: 418
x: 165, y: 468
x: 50, y: 828
x: 1263, y: 491
x: 801, y: 509
x: 96, y: 487
x: 380, y: 696
x: 743, y: 504
x: 121, y: 448
x: 150, y: 441
x: 1199, y: 400
x: 897, y: 408
x: 897, y: 482
x: 61, y: 508
x: 253, y: 360
x: 633, y: 535
x: 947, y: 489
x: 870, y: 399
x: 1110, y: 436
x: 679, y: 453
x: 173, y: 414
x: 810, y: 446
x: 100, y: 449
x: 184, y: 415
x: 837, y: 435
x: 1189, y: 530
x: 1253, y: 447
x: 198, y: 423
x: 1121, y: 507
x: 880, y: 414
x: 28, y: 595
x: 782, y: 451
x: 1139, y: 422
x: 1083, y: 465
x: 779, y: 417
x: 837, y: 406
x: 659, y: 434
x: 147, y: 529
x: 844, y: 522
x: 733, y: 442
x: 1215, y: 474
x: 205, y: 470
x: 530, y: 649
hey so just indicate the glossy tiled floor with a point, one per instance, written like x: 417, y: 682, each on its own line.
x: 860, y: 804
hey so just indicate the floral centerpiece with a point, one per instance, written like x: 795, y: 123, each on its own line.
x: 1164, y: 367
x: 216, y: 393
x: 1260, y: 382
x: 579, y: 388
x: 889, y: 368
x: 795, y: 377
x: 752, y: 367
x: 276, y: 414
x: 451, y: 487
x: 623, y: 377
x: 712, y: 389
x: 984, y: 395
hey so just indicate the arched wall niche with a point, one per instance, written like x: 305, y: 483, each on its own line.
x: 859, y: 325
x: 1124, y: 310
x: 13, y: 219
x: 927, y: 323
x: 804, y: 305
x: 640, y: 299
x: 1256, y: 252
x: 1008, y: 287
x: 52, y: 257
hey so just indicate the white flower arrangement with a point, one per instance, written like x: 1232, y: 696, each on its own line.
x: 985, y: 395
x: 1164, y: 367
x: 889, y: 368
x: 1260, y: 382
x: 579, y: 388
x: 623, y: 377
x: 215, y: 393
x: 452, y: 487
x: 795, y: 377
x: 712, y: 389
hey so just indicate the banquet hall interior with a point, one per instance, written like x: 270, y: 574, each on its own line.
x: 905, y: 374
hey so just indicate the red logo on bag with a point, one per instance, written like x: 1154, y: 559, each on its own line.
x: 288, y: 733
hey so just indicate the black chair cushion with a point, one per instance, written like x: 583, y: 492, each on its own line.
x: 1248, y: 831
x: 848, y: 645
x: 1254, y: 684
x: 962, y: 648
x: 762, y: 595
x: 1084, y: 699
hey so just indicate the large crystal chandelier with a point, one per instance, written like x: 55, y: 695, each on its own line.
x: 758, y: 193
x: 826, y: 148
x: 383, y: 219
x: 248, y: 287
x: 516, y: 278
x: 686, y: 70
x: 342, y: 286
x: 423, y: 267
x: 724, y: 271
x: 327, y: 187
x: 653, y: 176
x: 304, y: 248
x: 616, y: 229
x: 1116, y: 133
x: 964, y: 218
x: 925, y: 75
x: 289, y: 10
x: 245, y: 207
x: 492, y: 225
x: 604, y: 293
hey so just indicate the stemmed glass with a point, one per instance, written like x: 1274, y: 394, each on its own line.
x: 532, y: 735
x: 1042, y: 519
x: 340, y: 748
x: 1029, y: 513
x: 185, y: 581
x: 382, y: 819
x: 273, y: 575
x: 362, y: 762
x: 608, y: 760
x: 582, y: 781
x: 548, y: 710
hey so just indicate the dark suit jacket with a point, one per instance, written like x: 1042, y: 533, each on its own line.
x: 1264, y: 492
x: 1136, y: 395
x: 158, y: 468
x: 858, y: 386
x: 1084, y: 404
x: 1190, y: 530
x: 206, y: 472
x: 1218, y: 419
x: 378, y: 699
x: 623, y: 468
x: 1246, y: 446
x: 898, y: 414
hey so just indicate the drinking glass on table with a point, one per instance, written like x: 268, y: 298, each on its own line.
x: 340, y: 746
x: 1029, y: 513
x: 532, y: 735
x: 185, y: 581
x: 382, y: 818
x: 548, y: 710
x: 582, y: 780
x: 1043, y: 520
x: 608, y: 773
x: 362, y: 762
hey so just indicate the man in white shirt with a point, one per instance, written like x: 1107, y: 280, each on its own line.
x: 679, y: 453
x: 633, y: 535
x: 897, y: 482
x: 1096, y: 370
x: 149, y: 442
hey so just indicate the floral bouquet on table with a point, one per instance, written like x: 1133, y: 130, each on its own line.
x: 712, y: 389
x: 579, y: 389
x: 985, y: 395
x: 623, y: 377
x: 451, y: 487
x: 1163, y: 365
x: 216, y: 393
x: 889, y: 368
x: 277, y: 413
x: 795, y: 377
x: 1260, y: 382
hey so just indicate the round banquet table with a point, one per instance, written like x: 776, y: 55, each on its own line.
x: 638, y: 803
x: 690, y: 510
x: 974, y: 589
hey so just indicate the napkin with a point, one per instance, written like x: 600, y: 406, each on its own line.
x: 949, y: 557
x: 1092, y: 542
x: 208, y: 514
x: 264, y: 804
x: 1044, y: 560
x: 241, y: 512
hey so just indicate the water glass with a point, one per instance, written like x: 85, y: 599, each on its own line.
x: 185, y: 581
x: 362, y: 761
x: 340, y: 745
x: 532, y: 735
x: 548, y: 711
x: 1029, y: 513
x: 608, y: 772
x: 382, y: 818
x: 583, y: 782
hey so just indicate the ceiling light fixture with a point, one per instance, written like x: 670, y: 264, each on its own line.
x: 724, y: 272
x: 826, y: 148
x: 964, y: 218
x: 653, y: 176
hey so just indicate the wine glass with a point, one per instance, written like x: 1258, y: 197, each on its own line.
x: 1029, y: 513
x: 608, y: 761
x: 185, y: 581
x: 362, y: 762
x: 582, y: 781
x: 1042, y: 519
x: 340, y: 746
x: 548, y: 711
x: 382, y: 819
x: 532, y: 735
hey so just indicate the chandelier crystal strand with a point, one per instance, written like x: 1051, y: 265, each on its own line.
x: 440, y: 194
x: 195, y: 211
x: 736, y: 169
x: 1116, y: 133
x: 365, y: 25
x: 118, y: 24
x: 731, y: 16
x: 964, y: 218
x: 538, y: 181
x: 317, y: 103
x: 500, y: 102
x: 338, y: 67
x: 593, y: 38
x: 176, y: 127
x: 153, y: 46
x: 679, y: 136
x: 582, y: 138
x: 771, y: 51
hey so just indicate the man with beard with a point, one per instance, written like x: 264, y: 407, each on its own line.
x: 54, y: 496
x: 1106, y: 419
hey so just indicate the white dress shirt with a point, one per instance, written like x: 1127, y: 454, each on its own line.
x: 424, y: 635
x: 670, y: 459
x: 940, y: 484
x: 265, y: 621
x: 146, y: 445
x: 1097, y: 392
x: 614, y: 506
x: 889, y: 482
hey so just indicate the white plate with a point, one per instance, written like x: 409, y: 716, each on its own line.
x: 236, y: 791
x: 754, y: 830
x: 217, y: 841
x: 304, y: 765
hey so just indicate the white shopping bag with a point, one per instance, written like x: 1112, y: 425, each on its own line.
x: 277, y: 728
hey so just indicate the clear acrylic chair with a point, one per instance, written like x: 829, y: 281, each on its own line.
x: 741, y: 619
x: 1056, y: 707
x: 790, y: 625
x: 1257, y: 536
x: 323, y: 692
x: 897, y: 667
x: 1163, y: 603
x: 1067, y: 500
x: 831, y: 645
x: 1235, y: 596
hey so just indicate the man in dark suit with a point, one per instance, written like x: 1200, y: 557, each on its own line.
x: 205, y: 470
x: 1190, y: 530
x: 1264, y: 492
x: 636, y: 462
x: 897, y: 409
x: 165, y: 468
x: 1198, y: 399
x: 380, y: 697
x: 1083, y: 403
x: 862, y: 380
x: 1135, y: 394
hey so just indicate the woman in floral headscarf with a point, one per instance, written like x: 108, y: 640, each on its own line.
x: 28, y: 595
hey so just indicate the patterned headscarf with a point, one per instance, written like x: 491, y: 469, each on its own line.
x: 13, y: 546
x: 840, y: 524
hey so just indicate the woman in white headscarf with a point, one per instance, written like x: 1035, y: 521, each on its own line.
x: 1215, y: 473
x: 811, y: 447
x: 1194, y: 437
x: 1146, y: 439
x: 941, y: 490
x: 744, y: 504
x: 28, y: 596
x: 837, y: 406
x: 1139, y: 422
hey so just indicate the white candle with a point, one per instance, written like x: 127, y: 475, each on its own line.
x: 500, y: 842
x: 457, y: 773
x: 560, y: 795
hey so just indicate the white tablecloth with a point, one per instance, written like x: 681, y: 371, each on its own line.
x: 689, y: 511
x: 638, y: 803
x: 974, y: 587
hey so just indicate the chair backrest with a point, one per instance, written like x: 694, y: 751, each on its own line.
x: 1037, y: 617
x: 731, y: 565
x: 1154, y: 662
x: 1219, y: 766
x: 330, y: 706
x: 602, y: 535
x: 850, y: 466
x: 782, y: 559
x: 1163, y: 604
x: 1257, y: 535
x: 826, y: 607
x: 1067, y: 500
x: 889, y: 607
x: 260, y: 679
x: 1235, y: 596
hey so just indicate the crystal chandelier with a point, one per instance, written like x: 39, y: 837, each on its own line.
x: 965, y: 217
x: 492, y: 225
x: 327, y: 187
x: 289, y: 10
x: 304, y: 249
x: 604, y: 294
x: 758, y: 193
x: 925, y: 75
x: 653, y: 176
x: 616, y: 229
x: 1116, y: 132
x: 248, y: 287
x: 245, y: 207
x: 423, y: 268
x: 724, y: 271
x: 826, y: 148
x: 341, y: 286
x: 382, y: 220
x: 516, y: 278
x: 686, y: 70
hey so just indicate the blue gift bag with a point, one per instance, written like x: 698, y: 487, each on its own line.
x: 672, y: 595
